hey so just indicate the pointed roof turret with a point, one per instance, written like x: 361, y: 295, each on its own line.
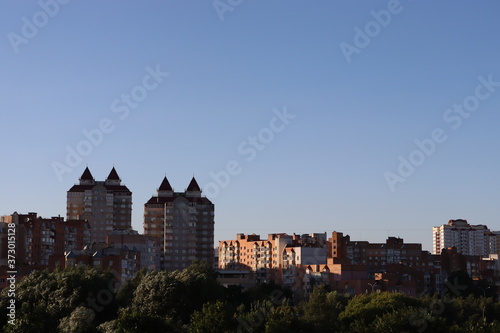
x: 193, y: 189
x: 113, y: 178
x: 113, y: 175
x: 87, y: 175
x: 87, y: 178
x: 165, y: 189
x: 165, y: 185
x: 193, y: 186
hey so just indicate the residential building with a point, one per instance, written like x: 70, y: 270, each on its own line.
x: 43, y: 241
x: 302, y: 262
x: 146, y: 245
x: 497, y: 234
x: 274, y: 258
x: 476, y: 240
x: 106, y: 205
x: 182, y: 223
x: 123, y: 262
x: 376, y: 256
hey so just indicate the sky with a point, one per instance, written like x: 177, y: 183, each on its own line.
x: 374, y: 118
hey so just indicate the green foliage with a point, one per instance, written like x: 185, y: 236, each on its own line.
x: 80, y: 321
x: 213, y: 318
x: 270, y: 291
x: 125, y: 294
x: 321, y: 310
x: 45, y: 298
x: 282, y: 319
x: 268, y: 316
x: 135, y: 322
x: 176, y: 295
x: 82, y: 300
x: 364, y: 311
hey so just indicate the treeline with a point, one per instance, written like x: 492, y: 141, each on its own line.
x: 86, y: 300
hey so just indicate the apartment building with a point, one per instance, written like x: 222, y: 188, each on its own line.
x: 123, y: 262
x: 43, y: 241
x: 149, y: 255
x: 475, y: 240
x: 182, y: 223
x: 274, y: 258
x: 376, y: 256
x: 106, y: 205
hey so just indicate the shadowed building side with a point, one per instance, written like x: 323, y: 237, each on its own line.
x: 107, y: 205
x: 183, y: 223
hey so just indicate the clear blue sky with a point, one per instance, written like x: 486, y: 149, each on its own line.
x: 323, y: 171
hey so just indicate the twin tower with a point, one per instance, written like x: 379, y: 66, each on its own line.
x: 182, y: 223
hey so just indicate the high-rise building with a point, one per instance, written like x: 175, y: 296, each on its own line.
x: 183, y: 223
x: 476, y: 240
x: 106, y: 205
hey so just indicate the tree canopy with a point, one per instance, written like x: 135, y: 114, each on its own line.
x: 86, y: 300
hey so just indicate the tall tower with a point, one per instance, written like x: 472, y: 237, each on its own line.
x: 107, y: 205
x: 183, y: 223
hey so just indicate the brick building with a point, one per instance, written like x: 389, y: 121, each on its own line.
x: 274, y: 258
x: 43, y: 241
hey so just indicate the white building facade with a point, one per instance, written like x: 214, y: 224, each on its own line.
x: 475, y: 240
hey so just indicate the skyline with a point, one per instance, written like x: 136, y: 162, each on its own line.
x: 181, y: 89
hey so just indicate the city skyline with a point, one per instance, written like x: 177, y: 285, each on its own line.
x: 372, y: 119
x: 164, y: 191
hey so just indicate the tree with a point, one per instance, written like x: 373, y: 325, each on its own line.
x: 80, y: 321
x: 174, y: 296
x: 213, y: 318
x: 125, y: 294
x: 321, y: 310
x: 44, y: 298
x: 282, y: 319
x: 362, y: 312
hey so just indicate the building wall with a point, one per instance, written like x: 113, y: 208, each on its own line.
x: 40, y: 241
x: 468, y: 239
x: 107, y: 205
x: 149, y: 254
x: 182, y: 224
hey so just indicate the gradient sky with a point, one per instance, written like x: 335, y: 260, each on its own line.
x: 323, y: 171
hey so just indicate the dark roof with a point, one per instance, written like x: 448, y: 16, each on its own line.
x: 80, y: 188
x: 87, y: 175
x: 193, y: 186
x: 113, y: 175
x: 117, y: 188
x: 165, y: 185
x: 162, y: 200
x: 83, y: 188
